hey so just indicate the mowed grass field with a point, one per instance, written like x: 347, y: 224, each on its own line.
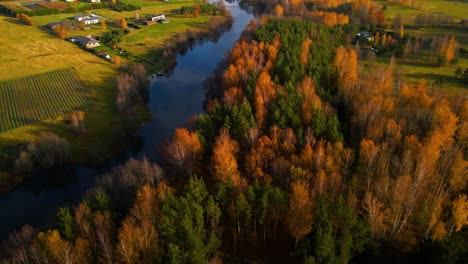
x: 34, y: 98
x: 454, y: 9
x: 29, y: 50
x: 143, y: 44
x: 413, y: 69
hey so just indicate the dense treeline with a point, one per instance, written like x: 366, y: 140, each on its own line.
x: 299, y: 140
x: 16, y: 9
x: 359, y: 12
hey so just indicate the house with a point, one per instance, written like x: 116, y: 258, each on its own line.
x: 69, y: 1
x: 156, y: 18
x: 54, y: 25
x: 90, y: 21
x: 365, y: 35
x: 94, y: 1
x: 87, y: 42
x: 87, y: 20
x: 81, y: 17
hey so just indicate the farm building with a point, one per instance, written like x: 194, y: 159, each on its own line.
x: 156, y: 18
x: 87, y: 20
x: 87, y: 42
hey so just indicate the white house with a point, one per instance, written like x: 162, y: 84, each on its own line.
x: 68, y: 1
x: 90, y: 21
x: 81, y: 17
x: 87, y: 20
x: 94, y: 1
x: 156, y: 17
x: 87, y: 42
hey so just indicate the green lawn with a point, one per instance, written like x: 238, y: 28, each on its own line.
x: 44, y: 20
x: 393, y: 9
x: 34, y: 98
x: 454, y: 9
x: 26, y: 51
x: 148, y: 38
x: 413, y: 69
x: 31, y: 50
x: 144, y: 3
x: 416, y: 68
x: 165, y: 8
x: 431, y: 32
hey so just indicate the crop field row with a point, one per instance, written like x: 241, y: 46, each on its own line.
x: 39, y: 97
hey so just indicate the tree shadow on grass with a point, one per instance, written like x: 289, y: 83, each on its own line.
x: 436, y: 80
x: 15, y: 21
x: 175, y: 11
x: 432, y: 77
x: 415, y: 63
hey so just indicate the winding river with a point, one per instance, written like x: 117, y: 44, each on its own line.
x: 174, y: 99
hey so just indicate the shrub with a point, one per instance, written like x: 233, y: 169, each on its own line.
x: 459, y: 73
x: 77, y: 119
x: 47, y: 151
x: 464, y: 77
x: 25, y: 19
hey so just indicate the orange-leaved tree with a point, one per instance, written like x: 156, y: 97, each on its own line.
x: 224, y: 160
x: 299, y: 217
x: 183, y: 150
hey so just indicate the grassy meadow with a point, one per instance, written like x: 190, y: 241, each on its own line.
x: 455, y: 9
x: 30, y: 50
x: 30, y: 99
x: 415, y: 68
x: 143, y: 44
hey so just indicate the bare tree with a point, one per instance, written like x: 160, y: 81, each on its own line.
x: 77, y: 119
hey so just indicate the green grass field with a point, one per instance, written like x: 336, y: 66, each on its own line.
x: 34, y: 98
x: 29, y: 50
x: 423, y: 67
x: 26, y: 51
x: 455, y: 9
x: 144, y: 43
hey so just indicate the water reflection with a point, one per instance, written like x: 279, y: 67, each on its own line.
x: 176, y: 98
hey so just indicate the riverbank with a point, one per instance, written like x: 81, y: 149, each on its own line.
x: 173, y: 100
x: 32, y: 50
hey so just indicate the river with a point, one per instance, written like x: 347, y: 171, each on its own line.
x: 173, y: 100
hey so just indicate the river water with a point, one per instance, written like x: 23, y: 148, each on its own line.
x: 173, y: 100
